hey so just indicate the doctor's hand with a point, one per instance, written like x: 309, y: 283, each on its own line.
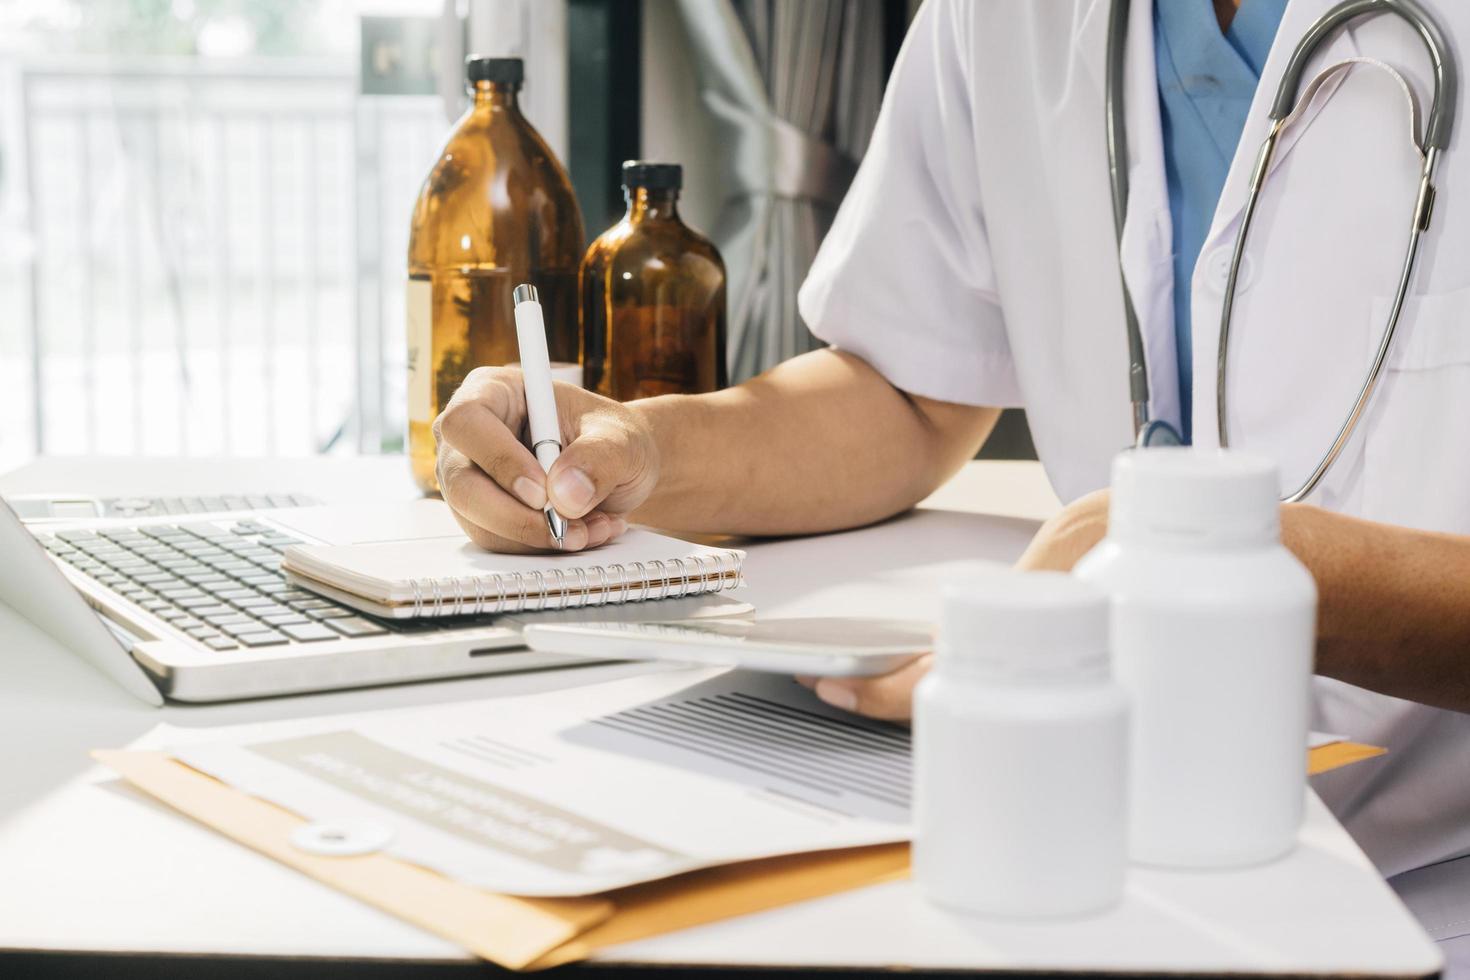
x: 495, y: 486
x: 1057, y: 546
x: 1062, y: 541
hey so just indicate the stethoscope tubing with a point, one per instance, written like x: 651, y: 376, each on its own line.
x: 1438, y: 126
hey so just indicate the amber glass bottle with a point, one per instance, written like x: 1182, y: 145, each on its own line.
x: 497, y: 210
x: 653, y: 297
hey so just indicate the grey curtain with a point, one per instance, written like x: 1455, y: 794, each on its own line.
x: 795, y: 86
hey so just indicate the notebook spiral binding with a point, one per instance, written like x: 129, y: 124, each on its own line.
x: 615, y: 583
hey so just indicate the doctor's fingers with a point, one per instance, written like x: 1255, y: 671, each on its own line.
x: 609, y: 466
x: 889, y: 697
x: 473, y: 426
x: 496, y: 521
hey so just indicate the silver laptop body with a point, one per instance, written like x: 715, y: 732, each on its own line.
x: 192, y: 607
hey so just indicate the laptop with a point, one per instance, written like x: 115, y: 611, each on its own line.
x: 183, y: 599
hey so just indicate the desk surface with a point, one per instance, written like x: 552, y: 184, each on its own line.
x: 91, y: 867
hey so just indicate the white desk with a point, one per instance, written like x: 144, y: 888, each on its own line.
x: 87, y: 866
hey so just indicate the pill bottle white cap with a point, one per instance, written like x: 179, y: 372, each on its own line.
x: 1023, y: 624
x: 1194, y: 497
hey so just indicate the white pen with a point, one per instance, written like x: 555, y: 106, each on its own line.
x: 540, y: 396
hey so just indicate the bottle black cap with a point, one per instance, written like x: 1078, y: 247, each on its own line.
x: 654, y: 176
x: 503, y: 71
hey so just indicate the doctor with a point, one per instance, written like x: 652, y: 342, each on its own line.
x: 973, y: 265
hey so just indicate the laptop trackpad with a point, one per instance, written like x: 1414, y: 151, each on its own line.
x: 370, y: 523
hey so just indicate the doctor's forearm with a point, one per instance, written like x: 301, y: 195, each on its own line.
x: 818, y: 443
x: 1395, y: 605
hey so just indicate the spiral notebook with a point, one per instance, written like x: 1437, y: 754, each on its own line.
x: 449, y: 576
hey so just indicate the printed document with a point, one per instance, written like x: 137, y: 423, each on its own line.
x: 585, y: 790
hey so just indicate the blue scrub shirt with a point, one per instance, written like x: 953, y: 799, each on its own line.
x: 1206, y: 82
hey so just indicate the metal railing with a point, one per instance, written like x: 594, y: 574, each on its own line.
x: 214, y: 257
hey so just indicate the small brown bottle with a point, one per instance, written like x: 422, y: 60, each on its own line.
x: 653, y: 297
x: 497, y: 210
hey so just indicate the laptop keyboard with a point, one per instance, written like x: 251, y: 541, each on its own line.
x: 221, y: 584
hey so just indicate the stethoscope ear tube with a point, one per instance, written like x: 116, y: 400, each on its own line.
x: 1117, y: 129
x: 1438, y: 125
x: 1440, y: 121
x: 1437, y: 128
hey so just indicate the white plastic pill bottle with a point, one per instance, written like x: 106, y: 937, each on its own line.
x: 1213, y: 625
x: 1020, y: 751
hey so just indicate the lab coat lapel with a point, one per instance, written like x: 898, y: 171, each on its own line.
x: 1147, y: 244
x: 1299, y: 16
x: 1297, y: 19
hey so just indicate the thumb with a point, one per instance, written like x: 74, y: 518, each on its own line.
x: 599, y: 465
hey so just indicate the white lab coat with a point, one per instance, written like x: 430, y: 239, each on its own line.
x: 973, y: 261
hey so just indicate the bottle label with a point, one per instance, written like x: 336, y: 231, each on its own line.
x: 419, y: 297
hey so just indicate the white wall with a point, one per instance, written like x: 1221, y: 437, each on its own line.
x: 676, y: 126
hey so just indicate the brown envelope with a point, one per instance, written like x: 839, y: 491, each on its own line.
x: 1335, y: 755
x: 518, y: 933
x: 535, y: 933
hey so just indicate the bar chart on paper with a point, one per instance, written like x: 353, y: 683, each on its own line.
x: 847, y: 765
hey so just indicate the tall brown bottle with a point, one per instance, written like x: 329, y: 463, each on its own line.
x: 653, y: 297
x: 497, y: 210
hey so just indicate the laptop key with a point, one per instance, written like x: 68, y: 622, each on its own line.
x: 261, y: 577
x: 285, y: 619
x: 242, y: 629
x: 253, y: 600
x: 228, y: 619
x: 231, y: 567
x: 154, y: 578
x: 202, y: 632
x: 204, y: 612
x: 355, y: 626
x: 220, y: 643
x: 204, y: 576
x: 336, y: 612
x: 266, y: 639
x: 308, y: 632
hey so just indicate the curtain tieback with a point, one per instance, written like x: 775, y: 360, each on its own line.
x: 773, y: 157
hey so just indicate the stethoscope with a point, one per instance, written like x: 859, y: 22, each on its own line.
x: 1285, y: 109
